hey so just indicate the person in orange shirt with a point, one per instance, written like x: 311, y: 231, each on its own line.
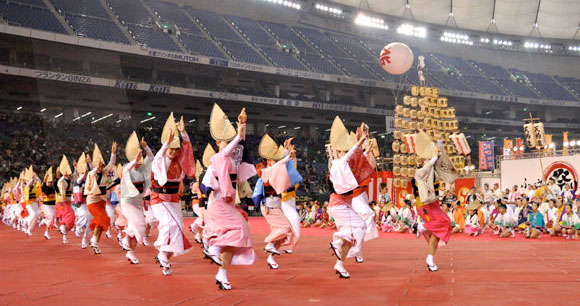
x: 96, y: 190
x: 458, y: 217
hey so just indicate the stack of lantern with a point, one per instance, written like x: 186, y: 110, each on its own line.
x: 425, y: 110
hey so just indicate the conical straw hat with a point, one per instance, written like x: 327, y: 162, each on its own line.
x: 268, y: 149
x: 167, y: 128
x: 97, y: 156
x: 339, y: 136
x: 132, y: 147
x: 424, y: 146
x: 64, y: 167
x: 82, y: 164
x: 220, y: 126
x: 207, y: 154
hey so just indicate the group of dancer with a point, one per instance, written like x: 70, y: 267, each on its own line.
x: 146, y: 192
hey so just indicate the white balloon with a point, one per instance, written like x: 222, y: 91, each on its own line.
x: 396, y: 58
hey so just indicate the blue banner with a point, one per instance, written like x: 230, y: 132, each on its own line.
x: 486, y: 156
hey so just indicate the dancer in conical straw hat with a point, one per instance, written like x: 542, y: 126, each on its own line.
x: 279, y: 176
x: 83, y: 216
x: 48, y: 202
x: 98, y: 179
x: 348, y: 168
x: 436, y: 225
x: 229, y: 167
x: 135, y: 180
x: 64, y: 210
x: 173, y: 161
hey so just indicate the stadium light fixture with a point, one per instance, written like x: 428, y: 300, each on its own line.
x: 565, y: 144
x: 572, y: 143
x: 456, y: 38
x: 148, y: 119
x: 535, y: 45
x: 43, y: 110
x: 502, y: 42
x: 58, y: 115
x: 102, y: 118
x: 573, y: 48
x: 285, y: 3
x: 328, y: 9
x: 372, y: 22
x: 410, y: 30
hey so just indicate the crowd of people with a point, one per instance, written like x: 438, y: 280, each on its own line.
x: 540, y: 209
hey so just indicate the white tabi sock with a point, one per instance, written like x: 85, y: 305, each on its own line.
x: 222, y: 275
x: 430, y: 260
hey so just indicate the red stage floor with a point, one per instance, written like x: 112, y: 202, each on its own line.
x: 473, y: 271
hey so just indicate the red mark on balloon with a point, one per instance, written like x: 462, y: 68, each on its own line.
x: 385, y: 58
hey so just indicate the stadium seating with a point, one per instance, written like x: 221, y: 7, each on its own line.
x: 96, y: 28
x: 322, y: 43
x: 88, y: 18
x: 319, y: 64
x: 355, y: 69
x: 251, y: 30
x: 468, y: 74
x: 502, y: 77
x: 131, y: 11
x: 142, y: 25
x: 214, y: 24
x: 201, y: 45
x: 572, y: 84
x: 259, y: 42
x: 242, y: 52
x: 545, y: 85
x: 152, y: 38
x: 30, y: 2
x: 35, y: 16
x: 283, y: 59
x: 353, y: 47
x: 171, y: 13
x: 81, y: 7
x: 285, y: 35
x: 260, y: 38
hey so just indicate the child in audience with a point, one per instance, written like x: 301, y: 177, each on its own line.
x: 405, y: 217
x: 389, y: 218
x: 472, y: 225
x: 503, y: 223
x: 309, y: 218
x: 570, y: 223
x: 535, y: 222
x: 557, y: 224
x: 458, y: 218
